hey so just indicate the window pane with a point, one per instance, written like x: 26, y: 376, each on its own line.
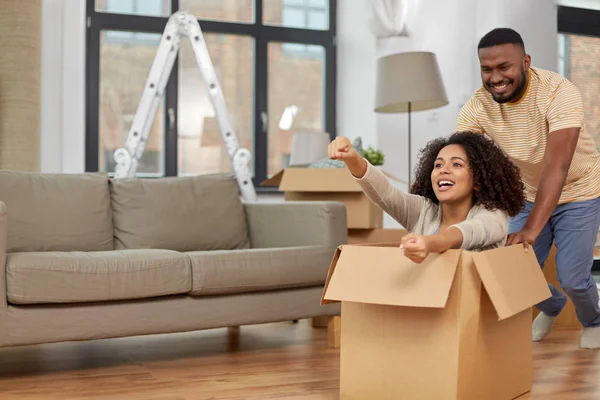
x: 125, y: 61
x: 157, y: 8
x: 586, y: 4
x: 304, y: 14
x: 201, y: 149
x: 296, y: 97
x: 294, y: 18
x: 220, y: 10
x: 580, y: 62
x: 316, y: 20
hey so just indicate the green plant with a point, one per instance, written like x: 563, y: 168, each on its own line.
x: 375, y: 157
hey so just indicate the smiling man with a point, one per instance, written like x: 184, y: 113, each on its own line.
x: 536, y: 117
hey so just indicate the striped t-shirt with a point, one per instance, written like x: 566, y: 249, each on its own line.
x: 521, y: 129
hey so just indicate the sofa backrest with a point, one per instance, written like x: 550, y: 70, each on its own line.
x: 57, y: 212
x: 179, y: 213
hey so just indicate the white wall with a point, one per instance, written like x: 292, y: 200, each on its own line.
x: 535, y: 20
x: 63, y: 86
x: 461, y: 23
x: 51, y: 92
x: 356, y: 62
x: 451, y: 29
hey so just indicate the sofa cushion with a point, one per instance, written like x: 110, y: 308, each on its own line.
x: 73, y: 277
x: 179, y: 213
x: 225, y: 272
x: 57, y: 212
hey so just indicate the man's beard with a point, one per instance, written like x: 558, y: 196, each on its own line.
x: 516, y: 93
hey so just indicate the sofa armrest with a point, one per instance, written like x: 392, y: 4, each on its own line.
x: 297, y: 223
x: 3, y: 303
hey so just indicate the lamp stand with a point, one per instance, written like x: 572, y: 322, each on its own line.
x: 409, y: 149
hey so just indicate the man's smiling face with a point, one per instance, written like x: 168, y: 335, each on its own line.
x: 504, y: 71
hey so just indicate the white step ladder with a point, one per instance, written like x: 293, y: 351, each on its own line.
x: 127, y: 158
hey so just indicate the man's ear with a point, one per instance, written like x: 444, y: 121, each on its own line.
x: 527, y: 62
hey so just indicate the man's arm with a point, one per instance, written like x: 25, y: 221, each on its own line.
x: 565, y: 119
x: 557, y: 160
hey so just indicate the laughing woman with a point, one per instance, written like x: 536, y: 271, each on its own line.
x: 464, y: 191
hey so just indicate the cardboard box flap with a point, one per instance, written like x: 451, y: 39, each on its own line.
x: 336, y: 256
x: 318, y: 180
x: 512, y: 278
x: 300, y: 178
x: 381, y: 274
x: 275, y: 180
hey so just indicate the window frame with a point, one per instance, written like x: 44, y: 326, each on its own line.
x: 578, y: 21
x: 262, y: 35
x: 584, y: 22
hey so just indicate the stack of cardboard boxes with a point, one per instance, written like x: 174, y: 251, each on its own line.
x: 365, y: 219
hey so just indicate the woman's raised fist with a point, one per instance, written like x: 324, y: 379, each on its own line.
x: 341, y: 149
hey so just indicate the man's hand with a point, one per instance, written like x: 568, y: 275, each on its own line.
x: 525, y: 236
x: 416, y: 247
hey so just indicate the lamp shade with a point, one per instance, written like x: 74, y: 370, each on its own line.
x: 409, y: 77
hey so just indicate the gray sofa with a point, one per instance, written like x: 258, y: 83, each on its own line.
x: 85, y: 257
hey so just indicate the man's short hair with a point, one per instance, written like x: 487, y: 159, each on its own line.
x: 500, y: 36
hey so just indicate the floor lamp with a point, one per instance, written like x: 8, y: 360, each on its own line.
x: 409, y: 82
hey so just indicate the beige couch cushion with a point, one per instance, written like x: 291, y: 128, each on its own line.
x: 179, y: 213
x: 73, y: 277
x: 225, y: 272
x: 57, y: 212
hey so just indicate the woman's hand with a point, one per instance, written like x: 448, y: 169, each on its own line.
x: 341, y: 149
x: 416, y: 247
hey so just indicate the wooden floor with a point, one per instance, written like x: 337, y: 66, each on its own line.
x: 274, y: 361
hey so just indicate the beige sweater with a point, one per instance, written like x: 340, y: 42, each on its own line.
x: 482, y: 230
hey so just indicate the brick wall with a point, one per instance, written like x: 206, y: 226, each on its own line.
x: 584, y: 72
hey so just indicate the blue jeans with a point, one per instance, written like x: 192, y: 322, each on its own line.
x: 573, y: 228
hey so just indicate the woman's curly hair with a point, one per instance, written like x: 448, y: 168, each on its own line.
x: 497, y: 181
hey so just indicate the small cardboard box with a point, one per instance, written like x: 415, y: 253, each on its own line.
x: 457, y: 326
x: 333, y: 184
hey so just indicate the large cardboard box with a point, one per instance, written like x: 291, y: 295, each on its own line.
x: 457, y: 326
x: 333, y: 184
